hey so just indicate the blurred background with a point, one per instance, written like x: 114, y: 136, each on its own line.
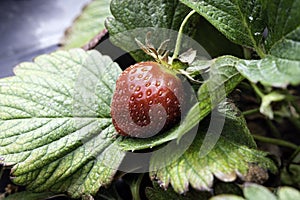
x: 32, y: 27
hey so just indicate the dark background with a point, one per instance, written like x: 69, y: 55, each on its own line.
x: 32, y: 27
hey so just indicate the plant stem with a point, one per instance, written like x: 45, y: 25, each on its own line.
x: 260, y: 52
x: 247, y: 53
x: 250, y: 112
x: 180, y: 35
x: 257, y: 90
x: 135, y: 187
x: 276, y: 141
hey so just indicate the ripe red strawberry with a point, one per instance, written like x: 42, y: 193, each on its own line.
x: 148, y: 99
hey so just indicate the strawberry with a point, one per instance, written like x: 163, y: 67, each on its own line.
x: 148, y: 100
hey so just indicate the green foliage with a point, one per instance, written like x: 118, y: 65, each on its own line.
x: 231, y: 154
x: 254, y: 191
x: 280, y: 65
x: 131, y: 18
x: 241, y: 21
x: 56, y: 131
x: 290, y: 175
x: 55, y: 122
x: 89, y: 24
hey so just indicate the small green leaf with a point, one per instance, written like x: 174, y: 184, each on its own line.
x: 291, y: 176
x: 226, y: 197
x: 134, y: 19
x: 288, y: 193
x: 88, y: 25
x: 265, y: 107
x: 231, y: 154
x: 55, y: 124
x: 241, y: 21
x: 254, y: 192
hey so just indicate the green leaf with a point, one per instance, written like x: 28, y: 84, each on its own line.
x: 288, y: 193
x: 282, y: 19
x: 241, y: 21
x: 229, y: 157
x: 290, y: 176
x: 281, y: 66
x: 265, y: 107
x: 30, y: 196
x: 88, y: 25
x: 134, y: 19
x: 227, y: 197
x: 55, y: 125
x: 272, y: 71
x: 223, y: 76
x: 254, y: 192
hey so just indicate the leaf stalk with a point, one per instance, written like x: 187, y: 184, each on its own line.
x: 180, y: 35
x: 276, y: 141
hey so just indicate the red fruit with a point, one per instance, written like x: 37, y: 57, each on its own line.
x: 148, y: 99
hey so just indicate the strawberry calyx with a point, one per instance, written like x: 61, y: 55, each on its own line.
x: 161, y: 56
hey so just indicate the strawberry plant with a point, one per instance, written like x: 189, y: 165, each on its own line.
x: 214, y: 114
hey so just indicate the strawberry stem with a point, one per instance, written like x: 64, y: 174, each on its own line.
x: 180, y: 35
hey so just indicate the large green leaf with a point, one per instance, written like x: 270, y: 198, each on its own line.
x: 55, y: 125
x: 241, y: 21
x: 230, y: 156
x: 133, y: 19
x: 281, y: 66
x: 223, y: 79
x: 88, y: 25
x: 282, y: 19
x: 272, y: 70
